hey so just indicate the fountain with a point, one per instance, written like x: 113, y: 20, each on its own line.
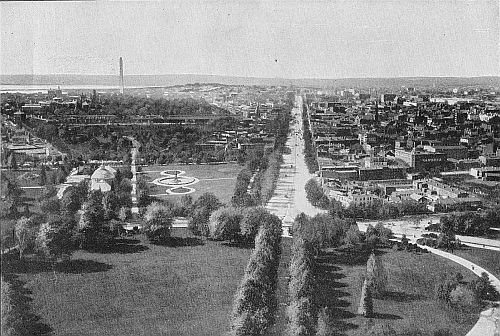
x: 176, y: 182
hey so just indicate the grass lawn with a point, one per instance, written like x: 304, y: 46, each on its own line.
x: 218, y: 179
x: 138, y: 289
x: 488, y: 259
x: 410, y: 303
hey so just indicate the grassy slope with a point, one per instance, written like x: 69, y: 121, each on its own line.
x: 153, y: 290
x: 411, y: 282
x: 412, y: 279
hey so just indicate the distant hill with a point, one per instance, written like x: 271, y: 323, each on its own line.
x: 169, y: 80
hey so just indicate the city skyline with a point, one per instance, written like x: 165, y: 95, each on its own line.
x: 253, y: 39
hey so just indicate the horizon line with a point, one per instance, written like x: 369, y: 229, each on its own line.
x: 257, y: 77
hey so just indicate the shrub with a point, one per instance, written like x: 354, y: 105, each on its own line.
x: 464, y: 297
x: 445, y: 285
x: 483, y: 288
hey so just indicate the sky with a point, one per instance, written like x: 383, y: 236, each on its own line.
x: 253, y: 38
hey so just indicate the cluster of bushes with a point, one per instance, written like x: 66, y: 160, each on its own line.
x: 255, y: 303
x: 446, y: 241
x: 452, y: 291
x: 470, y: 223
x: 309, y: 148
x: 406, y: 245
x: 236, y: 224
x: 385, y: 210
x: 327, y: 230
x: 302, y: 311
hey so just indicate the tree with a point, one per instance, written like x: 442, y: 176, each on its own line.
x: 43, y: 175
x: 54, y: 239
x: 186, y: 201
x: 252, y: 219
x: 12, y: 162
x: 12, y: 321
x: 376, y: 275
x: 201, y: 211
x: 124, y: 214
x: 224, y: 224
x: 323, y: 328
x: 366, y: 302
x: 302, y: 313
x: 158, y: 221
x: 352, y: 237
x: 91, y: 229
x: 51, y: 206
x: 110, y: 205
x: 70, y: 202
x: 315, y: 194
x: 24, y: 234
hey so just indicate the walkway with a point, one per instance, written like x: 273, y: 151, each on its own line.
x: 133, y: 169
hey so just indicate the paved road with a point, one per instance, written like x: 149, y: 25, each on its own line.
x: 289, y: 198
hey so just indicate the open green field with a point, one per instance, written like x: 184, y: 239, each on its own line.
x: 409, y: 305
x: 186, y: 289
x: 487, y: 259
x: 217, y: 179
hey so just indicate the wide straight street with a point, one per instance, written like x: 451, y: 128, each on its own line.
x: 289, y: 198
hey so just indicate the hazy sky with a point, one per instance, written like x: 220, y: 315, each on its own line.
x: 291, y: 39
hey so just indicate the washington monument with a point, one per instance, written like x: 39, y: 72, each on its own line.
x: 122, y: 89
